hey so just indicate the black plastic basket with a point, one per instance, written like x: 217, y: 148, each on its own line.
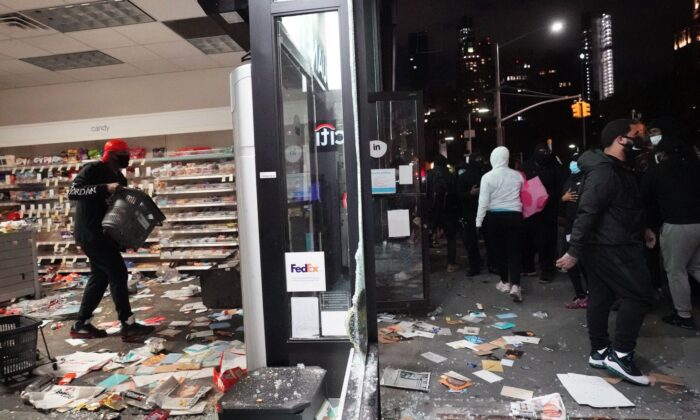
x: 18, y: 337
x: 131, y: 217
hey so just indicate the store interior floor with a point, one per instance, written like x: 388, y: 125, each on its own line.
x: 12, y: 406
x: 564, y: 348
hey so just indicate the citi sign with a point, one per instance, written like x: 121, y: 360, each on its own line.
x: 306, y: 268
x: 327, y: 135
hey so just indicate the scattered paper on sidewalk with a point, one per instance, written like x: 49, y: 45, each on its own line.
x: 444, y: 331
x: 593, y: 391
x: 76, y: 341
x: 469, y: 330
x: 546, y: 407
x: 517, y: 393
x: 504, y: 325
x: 509, y: 315
x: 453, y: 374
x: 492, y: 365
x: 113, y: 381
x: 405, y: 379
x: 507, y: 362
x: 79, y: 363
x: 489, y: 377
x: 59, y: 396
x: 433, y: 357
x: 462, y: 344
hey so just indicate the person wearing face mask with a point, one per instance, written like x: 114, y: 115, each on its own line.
x: 569, y: 199
x: 608, y: 236
x: 540, y: 234
x: 91, y: 189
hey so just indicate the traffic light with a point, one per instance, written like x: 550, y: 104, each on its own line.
x: 576, y: 109
x: 586, y: 109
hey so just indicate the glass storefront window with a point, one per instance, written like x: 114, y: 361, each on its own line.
x: 308, y: 48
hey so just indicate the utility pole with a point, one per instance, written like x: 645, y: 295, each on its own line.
x: 497, y: 100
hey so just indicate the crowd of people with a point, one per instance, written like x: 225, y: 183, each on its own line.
x: 622, y: 221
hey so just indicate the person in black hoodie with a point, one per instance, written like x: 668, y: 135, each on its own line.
x: 92, y: 188
x: 608, y: 235
x: 541, y: 228
x: 671, y: 191
x: 569, y: 199
x: 468, y: 181
x: 443, y: 207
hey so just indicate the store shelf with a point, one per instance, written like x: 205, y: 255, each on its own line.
x: 195, y: 191
x: 65, y: 270
x: 84, y: 257
x: 202, y: 219
x: 199, y: 231
x: 71, y: 242
x: 11, y: 204
x: 203, y: 257
x: 195, y: 177
x: 131, y: 256
x: 196, y: 205
x: 200, y: 245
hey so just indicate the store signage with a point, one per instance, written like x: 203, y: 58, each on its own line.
x: 377, y: 148
x: 327, y: 135
x: 293, y: 154
x: 305, y: 271
x: 99, y: 128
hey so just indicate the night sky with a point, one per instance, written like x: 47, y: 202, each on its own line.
x: 642, y: 29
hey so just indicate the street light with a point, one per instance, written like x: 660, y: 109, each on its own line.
x: 556, y: 27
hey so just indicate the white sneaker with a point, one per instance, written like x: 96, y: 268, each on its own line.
x: 516, y: 293
x: 503, y: 287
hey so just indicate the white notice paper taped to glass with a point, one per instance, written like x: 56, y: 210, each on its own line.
x: 305, y: 323
x: 333, y: 323
x: 399, y: 224
x: 405, y: 174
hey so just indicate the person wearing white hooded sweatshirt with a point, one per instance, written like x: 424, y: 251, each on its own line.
x: 499, y: 204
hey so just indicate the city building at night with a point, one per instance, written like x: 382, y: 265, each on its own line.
x: 686, y: 42
x: 597, y: 57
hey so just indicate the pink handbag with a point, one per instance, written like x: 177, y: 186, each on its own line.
x: 533, y: 196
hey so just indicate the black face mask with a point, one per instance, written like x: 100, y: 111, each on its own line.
x: 633, y: 148
x: 122, y: 161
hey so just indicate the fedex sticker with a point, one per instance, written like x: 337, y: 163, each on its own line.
x: 305, y: 271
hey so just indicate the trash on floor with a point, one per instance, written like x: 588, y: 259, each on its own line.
x: 593, y: 391
x: 405, y: 379
x: 549, y: 407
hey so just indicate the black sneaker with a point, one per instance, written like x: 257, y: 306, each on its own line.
x: 625, y: 368
x: 86, y: 331
x: 136, y: 333
x: 678, y: 321
x: 596, y: 359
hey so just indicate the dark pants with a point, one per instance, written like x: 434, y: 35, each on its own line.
x: 576, y: 275
x: 471, y: 241
x: 504, y: 232
x: 617, y: 273
x: 448, y: 223
x: 107, y: 268
x: 540, y: 237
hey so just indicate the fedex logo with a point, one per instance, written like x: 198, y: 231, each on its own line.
x: 306, y: 268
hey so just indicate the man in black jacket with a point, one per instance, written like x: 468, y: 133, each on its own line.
x: 609, y: 235
x: 671, y: 191
x: 541, y: 228
x: 468, y: 181
x: 91, y: 189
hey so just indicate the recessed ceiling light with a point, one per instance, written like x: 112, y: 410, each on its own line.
x: 216, y: 44
x: 232, y: 17
x: 73, y: 60
x: 92, y: 15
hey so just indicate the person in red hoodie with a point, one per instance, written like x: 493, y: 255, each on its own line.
x: 92, y: 188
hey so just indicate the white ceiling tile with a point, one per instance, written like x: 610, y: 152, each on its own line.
x: 232, y: 59
x: 101, y: 38
x: 19, y: 67
x: 5, y: 57
x: 50, y: 77
x: 14, y: 32
x: 91, y: 73
x: 131, y: 54
x: 19, y: 80
x: 148, y: 33
x: 30, y: 4
x: 122, y: 70
x: 57, y: 44
x: 195, y: 63
x: 4, y: 9
x: 20, y: 49
x: 175, y: 49
x: 165, y: 10
x: 157, y: 66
